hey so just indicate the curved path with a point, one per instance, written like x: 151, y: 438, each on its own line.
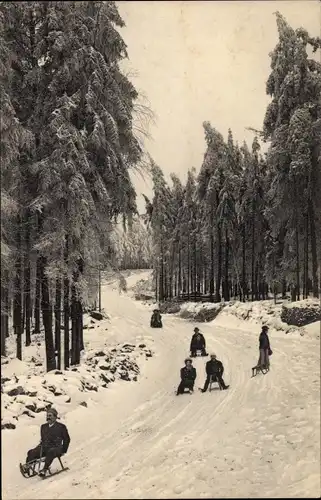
x: 261, y: 438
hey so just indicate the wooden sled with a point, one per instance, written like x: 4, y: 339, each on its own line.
x: 214, y: 380
x: 33, y: 468
x: 259, y: 369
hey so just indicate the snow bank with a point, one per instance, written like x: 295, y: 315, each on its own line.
x: 111, y: 353
x: 28, y: 394
x: 244, y: 315
x: 260, y: 313
x: 200, y: 312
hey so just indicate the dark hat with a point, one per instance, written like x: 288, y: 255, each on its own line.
x: 265, y: 327
x: 196, y: 329
x: 188, y: 359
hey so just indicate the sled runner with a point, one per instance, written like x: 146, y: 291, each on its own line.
x: 259, y: 369
x: 33, y: 468
x: 186, y: 391
x: 214, y: 379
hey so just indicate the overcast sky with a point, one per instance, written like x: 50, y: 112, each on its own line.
x: 204, y: 60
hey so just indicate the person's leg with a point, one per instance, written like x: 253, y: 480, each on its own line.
x: 33, y: 454
x: 221, y: 381
x: 51, y: 454
x: 180, y: 388
x: 261, y: 360
x: 207, y: 381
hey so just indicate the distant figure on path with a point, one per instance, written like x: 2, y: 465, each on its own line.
x: 188, y: 376
x: 198, y: 343
x: 54, y: 442
x: 122, y: 284
x: 265, y: 349
x: 215, y: 369
x: 156, y: 319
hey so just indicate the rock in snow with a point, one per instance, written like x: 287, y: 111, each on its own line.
x: 32, y: 394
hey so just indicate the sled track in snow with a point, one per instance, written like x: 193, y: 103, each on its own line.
x: 150, y: 443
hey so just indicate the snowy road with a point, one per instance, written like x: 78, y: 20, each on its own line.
x: 261, y: 438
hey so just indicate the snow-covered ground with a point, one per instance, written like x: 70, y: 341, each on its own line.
x: 261, y: 438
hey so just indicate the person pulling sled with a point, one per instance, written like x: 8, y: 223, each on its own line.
x: 188, y: 376
x: 54, y: 443
x: 263, y: 364
x: 198, y: 343
x: 156, y: 319
x: 214, y: 373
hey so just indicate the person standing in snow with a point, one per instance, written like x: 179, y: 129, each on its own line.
x: 214, y: 368
x: 264, y: 348
x: 188, y: 376
x: 198, y: 343
x: 54, y: 442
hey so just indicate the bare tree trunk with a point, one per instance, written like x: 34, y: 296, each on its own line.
x: 188, y: 268
x: 253, y: 259
x: 4, y: 312
x: 17, y: 301
x: 244, y: 287
x: 66, y: 307
x: 58, y: 322
x: 219, y: 264
x: 73, y: 326
x: 179, y: 287
x: 194, y: 266
x: 47, y: 317
x: 306, y: 258
x: 226, y: 290
x: 99, y: 289
x: 212, y: 264
x: 315, y: 284
x: 27, y: 281
x: 80, y: 325
x: 37, y: 298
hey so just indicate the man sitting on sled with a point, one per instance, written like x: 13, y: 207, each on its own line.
x: 188, y: 376
x: 54, y: 443
x: 214, y: 371
x: 198, y: 343
x: 156, y: 319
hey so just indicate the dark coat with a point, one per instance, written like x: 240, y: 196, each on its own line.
x: 188, y: 374
x: 197, y: 344
x: 156, y: 320
x: 264, y: 341
x: 54, y: 436
x: 214, y: 366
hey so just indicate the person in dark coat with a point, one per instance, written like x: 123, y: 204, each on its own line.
x: 198, y: 343
x: 264, y: 348
x: 54, y: 442
x: 188, y: 376
x: 156, y: 319
x: 214, y: 368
